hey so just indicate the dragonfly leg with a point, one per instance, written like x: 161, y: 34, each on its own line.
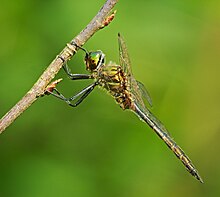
x: 76, y: 45
x: 79, y: 97
x: 85, y: 92
x: 57, y: 94
x: 75, y: 76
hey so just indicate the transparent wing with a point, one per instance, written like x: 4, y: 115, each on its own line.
x: 137, y: 88
x: 144, y: 92
x: 138, y: 92
x: 123, y: 56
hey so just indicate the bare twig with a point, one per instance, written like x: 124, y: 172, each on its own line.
x: 101, y: 20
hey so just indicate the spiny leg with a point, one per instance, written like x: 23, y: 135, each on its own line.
x: 57, y: 94
x: 85, y: 92
x: 76, y: 45
x: 68, y: 70
x: 81, y: 95
x: 75, y: 76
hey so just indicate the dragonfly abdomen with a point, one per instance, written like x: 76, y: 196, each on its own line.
x: 160, y: 130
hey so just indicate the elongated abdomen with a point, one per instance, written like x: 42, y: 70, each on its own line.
x: 161, y: 131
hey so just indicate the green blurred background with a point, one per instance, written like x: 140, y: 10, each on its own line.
x: 97, y: 149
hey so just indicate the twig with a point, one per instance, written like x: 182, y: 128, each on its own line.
x: 101, y: 20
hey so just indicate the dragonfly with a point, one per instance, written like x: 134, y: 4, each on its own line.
x: 129, y: 93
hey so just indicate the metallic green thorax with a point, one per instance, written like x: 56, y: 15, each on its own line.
x: 111, y: 77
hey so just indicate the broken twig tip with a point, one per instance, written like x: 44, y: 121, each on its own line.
x: 52, y: 86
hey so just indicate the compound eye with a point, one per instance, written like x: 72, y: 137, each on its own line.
x: 92, y: 60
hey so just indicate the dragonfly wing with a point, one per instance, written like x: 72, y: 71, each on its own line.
x: 144, y: 92
x: 123, y: 56
x: 138, y: 92
x: 137, y: 89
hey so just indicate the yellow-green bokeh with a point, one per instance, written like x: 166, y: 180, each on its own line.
x: 97, y: 149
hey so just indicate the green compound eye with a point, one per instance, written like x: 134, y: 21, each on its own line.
x: 95, y: 55
x: 93, y: 60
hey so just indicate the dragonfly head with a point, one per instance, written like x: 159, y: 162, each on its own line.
x: 94, y: 60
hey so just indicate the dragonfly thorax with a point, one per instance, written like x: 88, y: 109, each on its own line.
x: 94, y: 60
